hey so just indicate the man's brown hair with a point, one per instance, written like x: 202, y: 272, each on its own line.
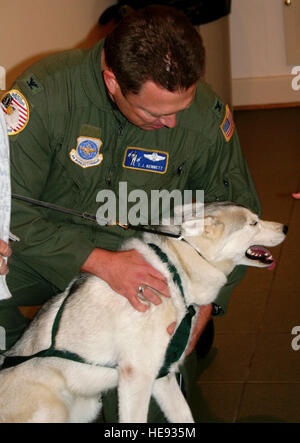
x: 155, y: 43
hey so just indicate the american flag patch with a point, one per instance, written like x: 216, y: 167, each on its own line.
x: 16, y: 111
x: 227, y: 125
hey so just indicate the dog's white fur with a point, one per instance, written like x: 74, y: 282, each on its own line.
x: 102, y: 327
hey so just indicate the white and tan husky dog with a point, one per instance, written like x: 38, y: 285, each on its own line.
x: 110, y: 344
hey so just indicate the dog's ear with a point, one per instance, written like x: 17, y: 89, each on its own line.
x: 189, y: 211
x: 192, y: 215
x: 192, y: 228
x: 213, y: 227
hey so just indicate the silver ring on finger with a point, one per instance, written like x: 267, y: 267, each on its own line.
x: 141, y: 289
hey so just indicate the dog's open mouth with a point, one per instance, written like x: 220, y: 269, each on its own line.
x: 260, y: 253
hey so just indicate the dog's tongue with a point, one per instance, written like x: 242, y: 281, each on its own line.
x: 272, y: 266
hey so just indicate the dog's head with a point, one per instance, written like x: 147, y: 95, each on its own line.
x: 230, y: 232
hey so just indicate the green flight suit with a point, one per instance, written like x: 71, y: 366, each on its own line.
x: 72, y: 143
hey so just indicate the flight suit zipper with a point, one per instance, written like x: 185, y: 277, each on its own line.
x: 120, y: 130
x: 109, y: 177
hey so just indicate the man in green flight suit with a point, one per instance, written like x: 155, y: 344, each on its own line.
x: 84, y: 121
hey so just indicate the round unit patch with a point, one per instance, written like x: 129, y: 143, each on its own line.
x: 16, y: 111
x: 87, y: 152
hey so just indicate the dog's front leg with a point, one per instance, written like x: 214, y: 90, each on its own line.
x: 134, y: 390
x: 171, y: 400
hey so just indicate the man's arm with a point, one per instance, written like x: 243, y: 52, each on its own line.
x: 224, y: 176
x: 203, y: 318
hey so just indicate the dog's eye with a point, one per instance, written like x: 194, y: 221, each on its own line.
x: 254, y: 223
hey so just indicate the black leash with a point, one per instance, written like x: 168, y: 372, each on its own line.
x: 47, y: 205
x: 90, y: 217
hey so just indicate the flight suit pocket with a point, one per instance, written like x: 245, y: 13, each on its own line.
x: 151, y: 194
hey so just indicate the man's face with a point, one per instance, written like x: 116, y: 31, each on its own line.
x: 153, y: 107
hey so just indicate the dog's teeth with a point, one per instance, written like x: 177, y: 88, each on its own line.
x: 257, y: 253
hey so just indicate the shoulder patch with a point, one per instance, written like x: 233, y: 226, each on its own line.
x: 227, y: 125
x: 218, y: 106
x: 33, y: 84
x: 16, y: 111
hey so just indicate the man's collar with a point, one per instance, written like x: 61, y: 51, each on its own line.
x: 92, y: 79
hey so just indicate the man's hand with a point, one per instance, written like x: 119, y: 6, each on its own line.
x: 125, y: 272
x: 5, y: 251
x: 204, y: 315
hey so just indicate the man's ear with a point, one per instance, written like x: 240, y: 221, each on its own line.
x: 110, y: 81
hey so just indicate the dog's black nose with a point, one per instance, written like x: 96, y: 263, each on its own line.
x: 285, y: 229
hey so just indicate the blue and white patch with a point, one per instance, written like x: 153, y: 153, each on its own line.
x: 146, y: 160
x: 87, y: 152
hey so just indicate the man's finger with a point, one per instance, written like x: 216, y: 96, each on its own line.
x: 151, y: 295
x: 136, y: 302
x: 4, y: 249
x: 171, y: 328
x: 159, y: 287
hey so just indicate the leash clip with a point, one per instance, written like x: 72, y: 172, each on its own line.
x: 114, y: 223
x: 121, y: 225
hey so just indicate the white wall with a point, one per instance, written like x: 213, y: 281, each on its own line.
x: 259, y: 69
x: 31, y: 29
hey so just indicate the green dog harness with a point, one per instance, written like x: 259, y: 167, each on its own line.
x: 180, y: 339
x: 13, y: 360
x: 174, y: 351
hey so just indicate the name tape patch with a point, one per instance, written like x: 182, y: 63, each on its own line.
x: 87, y: 152
x: 227, y: 125
x: 146, y: 160
x: 16, y: 111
